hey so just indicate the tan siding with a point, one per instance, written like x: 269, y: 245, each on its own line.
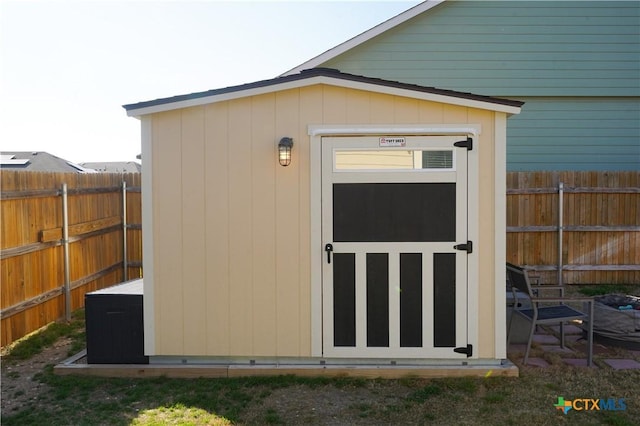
x: 406, y: 110
x: 431, y: 112
x: 381, y: 108
x: 358, y: 107
x: 310, y: 107
x: 334, y: 103
x: 168, y: 228
x: 454, y: 114
x: 193, y: 237
x: 287, y: 229
x: 486, y: 278
x: 240, y: 227
x: 216, y: 229
x: 232, y: 227
x: 263, y: 149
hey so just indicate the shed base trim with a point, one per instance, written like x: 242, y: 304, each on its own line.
x: 319, y: 368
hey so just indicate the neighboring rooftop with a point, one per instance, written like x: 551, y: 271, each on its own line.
x: 38, y: 161
x: 114, y: 167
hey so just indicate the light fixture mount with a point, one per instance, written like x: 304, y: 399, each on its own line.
x: 284, y: 151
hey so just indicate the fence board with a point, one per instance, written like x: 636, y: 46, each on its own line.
x: 32, y: 272
x: 601, y: 225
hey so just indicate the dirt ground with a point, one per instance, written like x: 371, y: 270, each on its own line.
x: 17, y: 384
x: 298, y: 405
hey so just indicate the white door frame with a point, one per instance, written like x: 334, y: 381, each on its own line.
x: 316, y: 132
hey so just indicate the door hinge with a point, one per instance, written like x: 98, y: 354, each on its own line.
x: 465, y: 144
x: 468, y: 247
x: 468, y: 351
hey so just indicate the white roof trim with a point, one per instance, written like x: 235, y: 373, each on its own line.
x: 393, y: 129
x: 332, y: 81
x: 365, y: 36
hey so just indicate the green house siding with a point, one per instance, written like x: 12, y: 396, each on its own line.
x: 576, y: 64
x: 575, y: 134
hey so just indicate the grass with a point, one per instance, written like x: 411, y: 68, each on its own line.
x: 527, y: 400
x: 600, y: 289
x: 35, y: 342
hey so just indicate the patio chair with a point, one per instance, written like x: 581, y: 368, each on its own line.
x: 547, y: 310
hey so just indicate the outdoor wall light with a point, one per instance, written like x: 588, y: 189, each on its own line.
x: 284, y: 151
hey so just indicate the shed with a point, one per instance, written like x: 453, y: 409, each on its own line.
x: 381, y: 242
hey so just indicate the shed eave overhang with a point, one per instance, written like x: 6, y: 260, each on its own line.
x: 338, y: 80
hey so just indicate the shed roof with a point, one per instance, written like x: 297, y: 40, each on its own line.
x: 324, y: 76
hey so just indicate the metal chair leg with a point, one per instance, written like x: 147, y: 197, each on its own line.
x: 590, y: 335
x: 526, y: 353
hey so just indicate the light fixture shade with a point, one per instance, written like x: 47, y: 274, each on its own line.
x: 284, y: 151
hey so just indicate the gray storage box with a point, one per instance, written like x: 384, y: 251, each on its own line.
x: 114, y: 321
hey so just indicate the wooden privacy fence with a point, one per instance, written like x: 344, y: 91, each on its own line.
x: 575, y: 227
x: 63, y: 235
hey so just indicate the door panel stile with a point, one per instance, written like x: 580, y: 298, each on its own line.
x: 394, y: 299
x: 361, y: 297
x: 427, y: 298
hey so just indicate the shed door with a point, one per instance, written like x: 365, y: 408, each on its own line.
x: 392, y: 211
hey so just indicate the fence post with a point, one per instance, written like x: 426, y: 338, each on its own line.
x: 65, y: 240
x: 560, y: 229
x: 124, y: 231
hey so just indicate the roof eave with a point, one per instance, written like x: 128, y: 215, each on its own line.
x: 146, y: 108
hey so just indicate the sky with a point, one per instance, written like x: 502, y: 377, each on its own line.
x: 67, y: 67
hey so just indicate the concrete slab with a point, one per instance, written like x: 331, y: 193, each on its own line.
x: 568, y: 329
x: 623, y: 364
x: 556, y: 349
x: 573, y: 338
x: 545, y: 339
x: 516, y: 348
x: 537, y: 362
x: 577, y: 362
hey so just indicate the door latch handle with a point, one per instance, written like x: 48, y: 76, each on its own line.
x: 328, y: 248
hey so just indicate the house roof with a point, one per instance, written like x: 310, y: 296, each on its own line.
x: 114, y: 166
x: 324, y: 76
x: 365, y: 36
x: 38, y: 161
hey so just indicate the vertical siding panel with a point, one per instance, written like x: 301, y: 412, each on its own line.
x: 486, y: 264
x: 358, y: 107
x: 240, y: 226
x: 381, y: 109
x: 193, y: 231
x: 310, y: 113
x: 454, y: 114
x: 217, y: 229
x: 406, y: 110
x: 263, y: 151
x: 287, y: 228
x: 431, y: 112
x: 167, y: 241
x: 334, y: 103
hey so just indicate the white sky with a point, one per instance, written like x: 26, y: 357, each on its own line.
x: 67, y: 67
